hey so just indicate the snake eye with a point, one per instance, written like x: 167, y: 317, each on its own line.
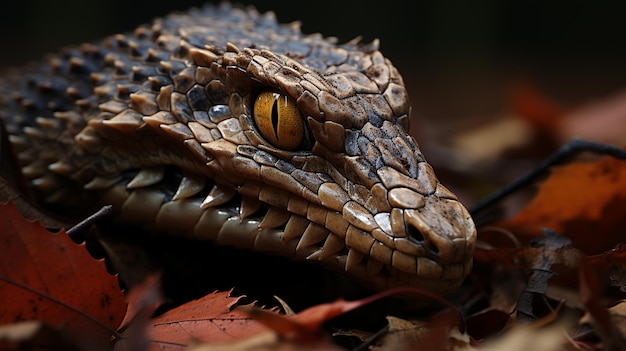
x: 278, y: 119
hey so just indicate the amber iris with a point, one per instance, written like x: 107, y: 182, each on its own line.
x: 278, y: 119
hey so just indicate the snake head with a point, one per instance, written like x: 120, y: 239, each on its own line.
x: 272, y: 141
x: 332, y: 150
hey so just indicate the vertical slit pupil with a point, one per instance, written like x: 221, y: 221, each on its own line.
x: 275, y: 116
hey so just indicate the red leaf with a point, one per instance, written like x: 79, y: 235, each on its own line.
x: 209, y: 319
x: 143, y: 300
x: 313, y: 317
x: 47, y: 277
x: 304, y: 326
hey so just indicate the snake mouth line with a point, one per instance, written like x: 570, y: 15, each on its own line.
x: 167, y: 199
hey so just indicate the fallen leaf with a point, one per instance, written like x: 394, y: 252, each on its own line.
x: 597, y: 314
x: 582, y: 201
x: 405, y: 335
x: 313, y: 317
x: 210, y: 319
x: 49, y: 278
x: 304, y: 327
x: 618, y: 322
x: 523, y: 338
x: 540, y: 269
x: 143, y: 301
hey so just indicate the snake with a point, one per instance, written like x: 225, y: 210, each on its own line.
x: 222, y: 124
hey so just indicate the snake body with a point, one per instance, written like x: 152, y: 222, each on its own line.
x: 162, y: 123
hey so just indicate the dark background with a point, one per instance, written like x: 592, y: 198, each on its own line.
x: 457, y: 57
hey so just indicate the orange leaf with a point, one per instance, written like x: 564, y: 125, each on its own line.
x: 47, y: 277
x: 209, y: 319
x: 581, y: 201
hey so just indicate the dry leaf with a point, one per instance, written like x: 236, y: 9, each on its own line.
x: 47, y: 277
x: 598, y: 315
x: 618, y: 322
x: 582, y: 201
x: 405, y: 335
x: 524, y: 338
x: 143, y: 300
x: 210, y: 319
x: 540, y: 269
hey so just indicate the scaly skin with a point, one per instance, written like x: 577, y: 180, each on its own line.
x: 160, y: 123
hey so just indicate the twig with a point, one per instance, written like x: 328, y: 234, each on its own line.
x: 105, y: 211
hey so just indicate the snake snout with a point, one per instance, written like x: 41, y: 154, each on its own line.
x: 443, y: 228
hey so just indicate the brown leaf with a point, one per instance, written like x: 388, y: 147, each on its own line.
x: 582, y: 201
x: 540, y: 272
x: 618, y: 322
x: 600, y: 318
x: 524, y: 337
x: 431, y: 335
x: 47, y: 277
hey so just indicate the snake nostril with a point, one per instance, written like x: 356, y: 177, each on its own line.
x: 417, y: 236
